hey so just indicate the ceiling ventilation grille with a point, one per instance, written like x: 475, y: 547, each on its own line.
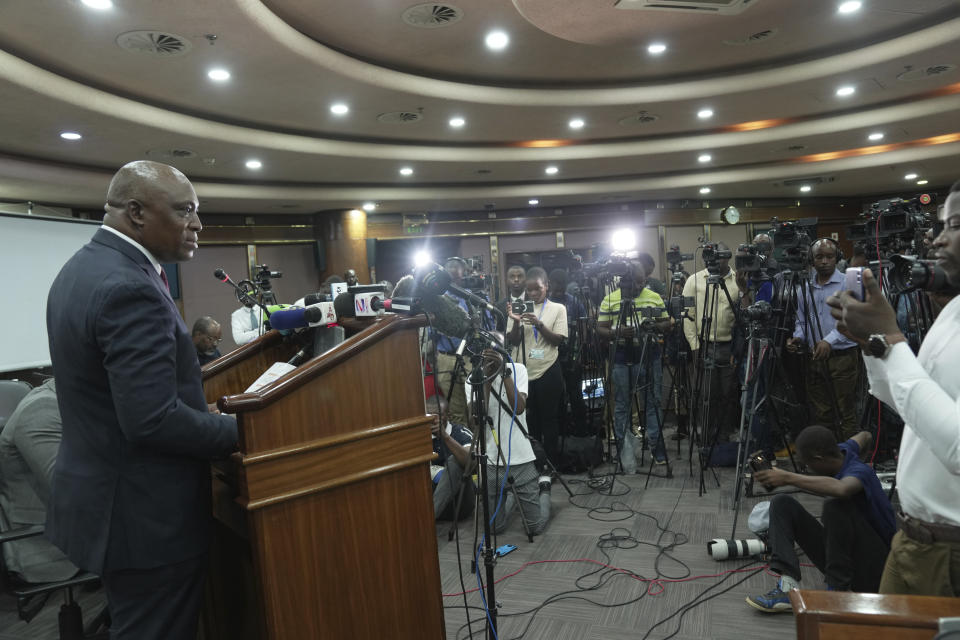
x: 793, y: 182
x: 725, y: 7
x: 640, y: 117
x: 399, y: 117
x: 154, y: 43
x: 172, y: 154
x: 753, y: 38
x: 431, y: 15
x: 923, y: 73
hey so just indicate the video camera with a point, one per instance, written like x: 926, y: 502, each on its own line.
x: 894, y: 225
x: 909, y: 273
x: 749, y: 259
x: 712, y: 255
x: 675, y: 259
x: 792, y: 242
x: 263, y: 275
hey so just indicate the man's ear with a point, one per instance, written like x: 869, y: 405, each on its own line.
x: 133, y: 210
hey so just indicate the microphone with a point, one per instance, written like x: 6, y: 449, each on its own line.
x: 433, y: 280
x: 295, y: 318
x: 343, y: 305
x: 399, y: 304
x: 222, y: 276
x: 448, y: 317
x: 314, y: 298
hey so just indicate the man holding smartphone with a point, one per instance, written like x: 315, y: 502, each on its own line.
x: 852, y: 541
x: 833, y: 369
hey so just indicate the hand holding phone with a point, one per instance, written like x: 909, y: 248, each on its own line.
x: 853, y: 282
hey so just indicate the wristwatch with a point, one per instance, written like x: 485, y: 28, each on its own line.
x: 878, y: 345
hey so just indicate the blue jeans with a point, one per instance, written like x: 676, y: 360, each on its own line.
x: 651, y: 394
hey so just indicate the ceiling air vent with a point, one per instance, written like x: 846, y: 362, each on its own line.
x: 753, y: 38
x: 154, y: 43
x: 172, y: 154
x: 725, y: 7
x: 926, y: 72
x: 430, y: 15
x: 793, y: 182
x: 399, y: 117
x: 640, y: 117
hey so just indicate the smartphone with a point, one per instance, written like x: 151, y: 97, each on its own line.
x: 853, y: 281
x: 505, y: 549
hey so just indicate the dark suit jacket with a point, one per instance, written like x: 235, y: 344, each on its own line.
x: 131, y: 486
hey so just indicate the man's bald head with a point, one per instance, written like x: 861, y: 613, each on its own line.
x: 139, y: 180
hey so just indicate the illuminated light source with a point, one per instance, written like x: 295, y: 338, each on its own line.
x: 704, y: 190
x: 218, y: 75
x: 704, y: 157
x: 369, y: 206
x: 922, y: 182
x: 533, y: 201
x: 656, y: 48
x: 623, y: 240
x: 457, y: 122
x: 542, y: 144
x: 910, y: 176
x: 849, y: 7
x: 874, y: 137
x: 356, y: 213
x: 703, y: 114
x: 550, y: 171
x: 406, y: 171
x: 845, y: 91
x: 421, y: 258
x: 576, y: 123
x: 339, y: 109
x: 254, y: 164
x: 70, y: 135
x: 98, y: 4
x: 497, y: 40
x: 945, y: 138
x: 806, y: 188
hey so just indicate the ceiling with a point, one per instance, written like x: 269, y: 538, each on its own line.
x: 768, y: 69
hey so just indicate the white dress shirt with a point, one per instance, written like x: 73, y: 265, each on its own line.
x: 511, y: 439
x: 925, y: 391
x: 246, y: 324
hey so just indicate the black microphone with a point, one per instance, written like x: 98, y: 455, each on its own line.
x: 314, y: 298
x: 222, y: 276
x: 448, y: 317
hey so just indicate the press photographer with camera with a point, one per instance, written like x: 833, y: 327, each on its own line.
x: 925, y: 390
x: 852, y: 541
x: 834, y: 369
x: 622, y: 321
x: 516, y: 292
x: 535, y: 337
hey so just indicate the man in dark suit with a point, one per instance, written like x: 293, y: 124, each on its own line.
x: 131, y: 488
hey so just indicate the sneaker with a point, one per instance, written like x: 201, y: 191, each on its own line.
x: 545, y: 484
x: 660, y: 461
x: 774, y: 601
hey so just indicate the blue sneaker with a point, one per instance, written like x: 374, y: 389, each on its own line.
x: 774, y: 601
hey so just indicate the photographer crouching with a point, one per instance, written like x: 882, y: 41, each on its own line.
x: 925, y: 390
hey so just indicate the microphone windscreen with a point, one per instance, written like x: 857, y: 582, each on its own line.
x: 449, y: 318
x: 293, y: 318
x: 343, y: 305
x: 314, y: 298
x: 220, y: 274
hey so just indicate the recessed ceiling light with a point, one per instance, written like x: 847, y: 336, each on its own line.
x: 805, y: 188
x: 339, y: 109
x: 254, y: 164
x: 656, y: 48
x: 551, y: 170
x: 576, y: 123
x: 406, y: 171
x: 875, y: 136
x: 219, y: 75
x: 922, y: 182
x: 369, y: 206
x: 457, y: 122
x: 70, y: 135
x: 704, y: 157
x: 704, y: 189
x: 910, y: 176
x: 703, y: 114
x: 848, y: 90
x: 849, y: 7
x: 533, y: 201
x: 98, y: 4
x: 497, y: 40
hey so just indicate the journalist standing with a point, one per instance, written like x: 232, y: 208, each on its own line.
x: 925, y: 390
x: 131, y: 487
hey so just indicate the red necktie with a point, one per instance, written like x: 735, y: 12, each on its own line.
x: 163, y: 276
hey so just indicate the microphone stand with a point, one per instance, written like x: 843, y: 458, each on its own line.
x: 242, y: 295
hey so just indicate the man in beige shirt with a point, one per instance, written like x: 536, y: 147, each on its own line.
x: 716, y: 354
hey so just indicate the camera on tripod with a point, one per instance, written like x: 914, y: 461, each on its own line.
x: 263, y: 275
x: 894, y: 225
x: 712, y: 255
x: 759, y: 311
x: 476, y: 281
x: 793, y: 242
x: 675, y: 259
x: 749, y: 259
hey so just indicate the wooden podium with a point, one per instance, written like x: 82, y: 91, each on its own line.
x: 324, y: 522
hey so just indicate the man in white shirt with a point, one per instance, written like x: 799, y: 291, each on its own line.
x: 925, y: 390
x: 246, y: 324
x: 509, y: 452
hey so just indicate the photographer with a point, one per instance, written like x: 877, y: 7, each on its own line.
x: 516, y: 279
x: 451, y: 443
x: 535, y: 338
x: 629, y: 373
x: 834, y: 369
x: 854, y: 537
x: 925, y: 390
x: 717, y: 352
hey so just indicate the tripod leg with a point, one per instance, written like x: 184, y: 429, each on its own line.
x: 523, y: 517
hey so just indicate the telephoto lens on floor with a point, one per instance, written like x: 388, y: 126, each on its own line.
x: 720, y: 549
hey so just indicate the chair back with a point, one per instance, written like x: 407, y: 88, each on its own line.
x: 11, y: 393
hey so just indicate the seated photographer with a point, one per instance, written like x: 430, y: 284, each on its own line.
x: 925, y: 390
x: 535, y: 339
x: 510, y: 454
x: 618, y: 321
x: 851, y: 543
x: 834, y: 367
x: 451, y: 443
x: 570, y: 364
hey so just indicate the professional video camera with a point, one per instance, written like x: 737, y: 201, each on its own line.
x: 895, y: 225
x: 909, y: 273
x: 675, y: 259
x: 615, y: 265
x: 712, y: 255
x: 475, y: 280
x: 792, y: 242
x: 759, y: 311
x: 749, y: 259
